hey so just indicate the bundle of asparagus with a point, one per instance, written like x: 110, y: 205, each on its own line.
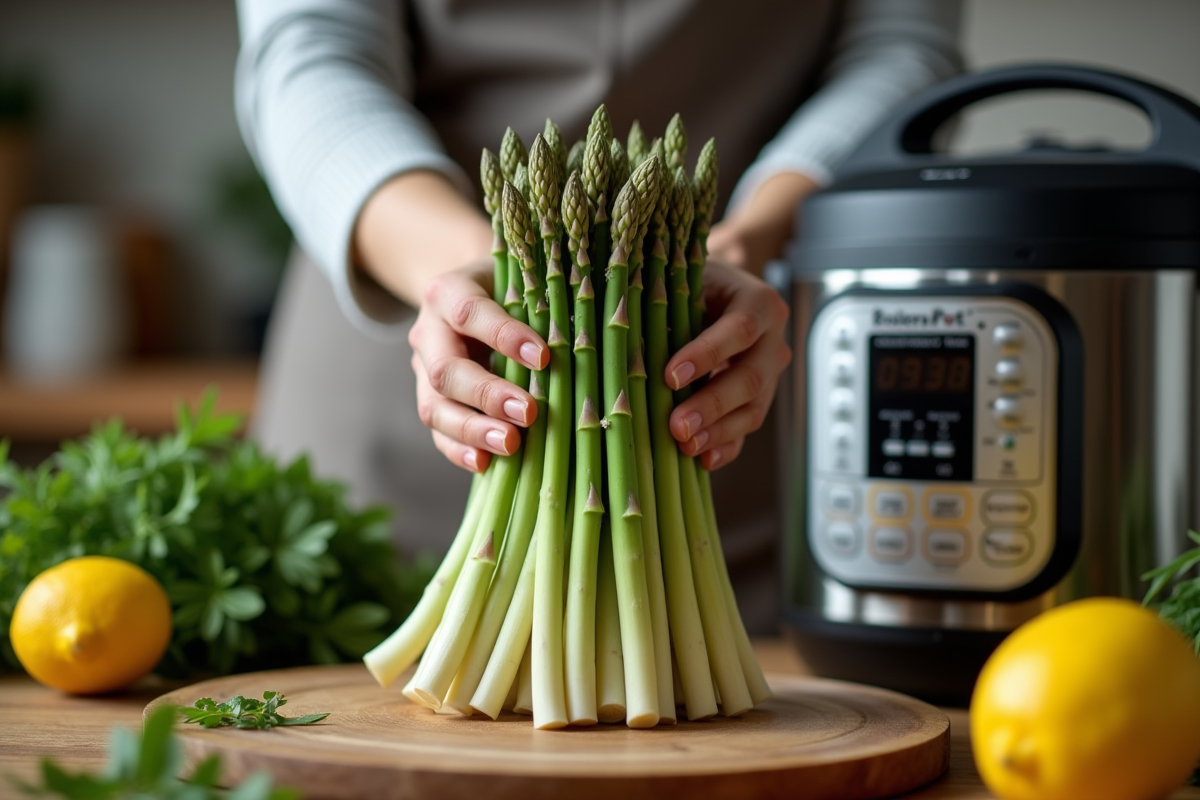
x: 547, y: 603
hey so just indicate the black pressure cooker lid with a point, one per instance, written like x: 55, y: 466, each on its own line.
x: 896, y: 203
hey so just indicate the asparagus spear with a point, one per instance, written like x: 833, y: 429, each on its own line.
x: 636, y: 632
x: 512, y: 153
x: 644, y: 458
x: 546, y: 643
x: 601, y: 124
x: 553, y: 137
x: 675, y: 143
x: 523, y: 704
x: 398, y: 652
x: 610, y: 661
x: 575, y: 157
x: 581, y: 594
x: 687, y: 632
x: 705, y: 187
x: 492, y: 179
x: 597, y: 184
x: 511, y: 645
x: 619, y: 165
x: 718, y: 631
x: 637, y: 148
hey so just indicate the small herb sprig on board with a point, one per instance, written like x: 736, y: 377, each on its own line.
x: 242, y: 712
x: 146, y: 767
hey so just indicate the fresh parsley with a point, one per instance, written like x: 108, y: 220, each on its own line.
x: 146, y: 767
x: 265, y: 565
x: 1182, y: 606
x: 242, y: 712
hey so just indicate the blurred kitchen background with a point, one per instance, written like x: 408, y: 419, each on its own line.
x: 140, y: 253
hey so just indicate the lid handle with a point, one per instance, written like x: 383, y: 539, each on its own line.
x: 906, y: 136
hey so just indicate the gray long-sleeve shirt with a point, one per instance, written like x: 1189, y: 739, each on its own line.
x: 336, y: 96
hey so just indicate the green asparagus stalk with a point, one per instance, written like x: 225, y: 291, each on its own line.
x: 512, y: 153
x: 687, y: 632
x: 520, y: 180
x: 619, y: 176
x: 641, y: 680
x: 718, y: 631
x: 675, y: 144
x: 553, y: 137
x: 704, y: 185
x: 601, y: 124
x: 597, y: 184
x: 546, y: 643
x: 492, y: 179
x: 643, y: 455
x: 580, y: 653
x: 400, y: 650
x: 524, y: 702
x: 637, y: 148
x: 610, y: 660
x: 512, y: 644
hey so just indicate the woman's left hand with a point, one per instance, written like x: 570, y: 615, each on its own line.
x: 744, y: 351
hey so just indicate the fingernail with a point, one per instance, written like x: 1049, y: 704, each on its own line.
x: 471, y: 459
x: 531, y: 354
x: 692, y: 422
x: 683, y: 373
x: 495, y: 440
x: 700, y: 440
x: 516, y: 410
x: 714, y: 458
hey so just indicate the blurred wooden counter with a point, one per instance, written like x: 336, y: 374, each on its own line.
x: 144, y: 394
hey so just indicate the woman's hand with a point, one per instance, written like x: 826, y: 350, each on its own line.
x: 471, y: 412
x: 744, y: 351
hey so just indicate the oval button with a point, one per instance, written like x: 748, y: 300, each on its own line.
x: 946, y: 506
x: 946, y: 546
x: 841, y: 538
x: 841, y: 500
x: 1007, y: 508
x: 891, y: 544
x: 1006, y: 547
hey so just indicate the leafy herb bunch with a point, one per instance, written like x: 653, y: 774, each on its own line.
x: 1182, y: 606
x: 265, y: 566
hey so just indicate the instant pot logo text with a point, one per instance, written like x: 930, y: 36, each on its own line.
x: 937, y: 318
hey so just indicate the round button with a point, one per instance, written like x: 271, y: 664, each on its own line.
x: 842, y: 435
x: 1006, y: 410
x: 841, y: 368
x: 1008, y: 371
x: 891, y: 544
x: 843, y: 330
x: 841, y: 539
x: 1007, y: 335
x: 841, y: 402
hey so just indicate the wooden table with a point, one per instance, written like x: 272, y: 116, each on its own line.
x: 35, y: 721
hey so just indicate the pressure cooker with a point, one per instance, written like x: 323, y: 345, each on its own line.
x: 992, y: 401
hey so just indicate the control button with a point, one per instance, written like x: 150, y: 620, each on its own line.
x: 943, y: 449
x: 893, y: 448
x: 1008, y: 441
x: 1006, y: 547
x: 841, y: 538
x: 842, y: 332
x: 917, y: 448
x: 946, y: 506
x: 841, y: 402
x: 841, y: 368
x: 841, y: 500
x: 842, y: 435
x: 1007, y: 335
x: 946, y: 546
x: 891, y: 544
x: 1008, y: 371
x: 1006, y: 409
x: 1007, y: 508
x: 890, y: 504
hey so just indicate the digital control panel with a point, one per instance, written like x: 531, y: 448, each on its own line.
x: 932, y: 435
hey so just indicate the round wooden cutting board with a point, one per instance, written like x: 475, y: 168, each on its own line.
x: 815, y: 739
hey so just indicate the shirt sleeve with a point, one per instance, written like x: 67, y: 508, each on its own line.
x: 888, y: 50
x: 323, y: 96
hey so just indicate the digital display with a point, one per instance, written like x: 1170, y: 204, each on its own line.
x: 922, y: 407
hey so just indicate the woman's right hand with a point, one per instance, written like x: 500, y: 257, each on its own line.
x: 471, y: 412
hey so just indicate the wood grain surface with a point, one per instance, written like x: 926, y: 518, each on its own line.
x: 814, y: 739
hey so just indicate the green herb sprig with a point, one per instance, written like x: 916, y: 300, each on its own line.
x: 1182, y: 607
x: 265, y: 565
x: 242, y: 712
x: 145, y: 767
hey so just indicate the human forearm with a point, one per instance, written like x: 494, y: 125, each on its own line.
x: 757, y: 231
x: 415, y: 227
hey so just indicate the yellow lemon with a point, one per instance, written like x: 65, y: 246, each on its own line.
x: 92, y: 624
x: 1097, y: 699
